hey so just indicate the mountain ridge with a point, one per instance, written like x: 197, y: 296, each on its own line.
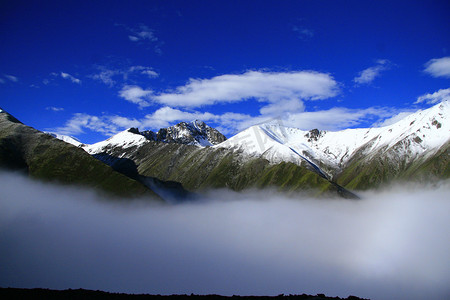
x: 41, y: 156
x: 406, y: 147
x: 273, y: 155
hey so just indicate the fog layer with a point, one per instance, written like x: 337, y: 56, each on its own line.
x: 390, y: 245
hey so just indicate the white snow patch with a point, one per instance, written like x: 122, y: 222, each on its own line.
x: 68, y: 139
x: 124, y: 139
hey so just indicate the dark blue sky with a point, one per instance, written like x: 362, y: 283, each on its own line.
x: 92, y: 68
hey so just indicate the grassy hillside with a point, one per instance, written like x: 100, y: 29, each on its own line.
x: 388, y: 166
x: 206, y: 168
x: 46, y: 158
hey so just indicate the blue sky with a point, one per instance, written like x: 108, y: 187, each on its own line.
x: 92, y: 68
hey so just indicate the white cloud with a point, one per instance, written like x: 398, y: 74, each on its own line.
x: 368, y: 75
x: 11, y: 77
x: 166, y: 116
x: 436, y: 97
x: 282, y: 106
x: 123, y: 122
x: 2, y: 81
x: 438, y: 67
x: 136, y: 95
x: 110, y: 77
x: 112, y: 124
x: 269, y: 87
x: 55, y: 109
x: 70, y: 77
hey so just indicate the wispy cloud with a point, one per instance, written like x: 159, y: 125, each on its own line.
x: 111, y: 76
x: 55, y: 109
x: 63, y: 75
x: 436, y: 97
x: 142, y: 70
x: 10, y: 78
x: 303, y: 33
x: 438, y: 67
x: 143, y: 34
x: 70, y: 77
x: 368, y: 75
x: 106, y: 76
x: 81, y: 121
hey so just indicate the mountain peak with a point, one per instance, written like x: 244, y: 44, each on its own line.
x: 418, y: 135
x: 8, y: 116
x: 190, y: 133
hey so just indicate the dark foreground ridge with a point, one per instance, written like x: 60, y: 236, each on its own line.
x: 16, y: 293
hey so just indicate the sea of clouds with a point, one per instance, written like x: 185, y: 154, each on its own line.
x: 392, y: 244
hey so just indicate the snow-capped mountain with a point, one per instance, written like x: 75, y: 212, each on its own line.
x: 415, y: 148
x: 125, y: 139
x: 420, y: 134
x: 195, y: 133
x: 66, y: 138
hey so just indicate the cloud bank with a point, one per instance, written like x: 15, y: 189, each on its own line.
x: 391, y: 245
x: 229, y: 123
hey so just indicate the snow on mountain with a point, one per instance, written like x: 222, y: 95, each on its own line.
x: 195, y: 133
x: 65, y: 138
x: 125, y: 139
x: 423, y: 132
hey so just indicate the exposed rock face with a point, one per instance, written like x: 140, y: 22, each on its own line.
x: 313, y: 135
x: 193, y: 133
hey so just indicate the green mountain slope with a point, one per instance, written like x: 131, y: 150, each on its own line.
x: 207, y: 168
x: 46, y: 158
x: 389, y: 165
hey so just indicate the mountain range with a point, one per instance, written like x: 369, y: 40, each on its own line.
x: 192, y: 156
